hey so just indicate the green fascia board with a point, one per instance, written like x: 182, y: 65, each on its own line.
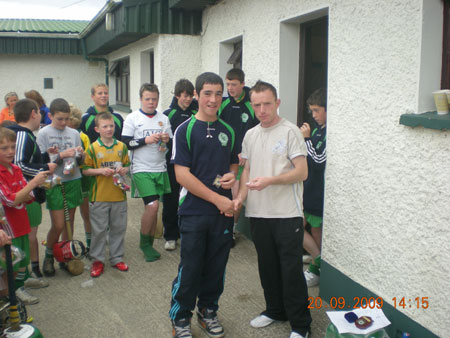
x: 197, y: 5
x: 45, y: 46
x: 430, y: 120
x: 42, y: 26
x: 133, y: 21
x: 333, y: 283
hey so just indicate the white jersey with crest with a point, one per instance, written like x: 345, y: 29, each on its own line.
x: 147, y: 158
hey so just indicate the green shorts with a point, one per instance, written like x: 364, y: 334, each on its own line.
x: 149, y: 184
x: 23, y: 243
x: 314, y: 221
x: 34, y: 212
x: 241, y: 169
x: 73, y: 195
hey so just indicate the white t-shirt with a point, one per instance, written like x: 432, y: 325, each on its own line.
x: 147, y: 158
x: 269, y: 152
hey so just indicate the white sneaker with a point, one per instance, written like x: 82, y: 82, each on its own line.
x: 36, y: 283
x: 261, y: 321
x: 25, y: 297
x: 170, y: 245
x: 311, y: 278
x: 298, y: 335
x: 307, y: 259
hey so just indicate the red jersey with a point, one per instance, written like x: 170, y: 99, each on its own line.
x: 17, y: 217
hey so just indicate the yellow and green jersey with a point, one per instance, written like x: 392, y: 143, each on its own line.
x: 98, y: 155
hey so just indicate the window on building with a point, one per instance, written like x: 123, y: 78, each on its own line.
x: 121, y: 71
x: 445, y: 77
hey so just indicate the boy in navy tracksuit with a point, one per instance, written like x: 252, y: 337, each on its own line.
x: 313, y: 187
x: 100, y: 96
x: 205, y: 158
x: 237, y: 111
x: 182, y: 107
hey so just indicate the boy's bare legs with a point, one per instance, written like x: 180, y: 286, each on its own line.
x: 58, y: 224
x: 317, y: 236
x: 312, y: 244
x: 148, y: 229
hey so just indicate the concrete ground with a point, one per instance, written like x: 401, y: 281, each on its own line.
x: 136, y: 303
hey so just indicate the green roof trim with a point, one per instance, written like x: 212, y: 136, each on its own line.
x: 42, y: 26
x: 430, y: 120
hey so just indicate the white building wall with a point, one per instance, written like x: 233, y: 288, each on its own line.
x: 72, y: 76
x: 386, y: 214
x: 175, y: 57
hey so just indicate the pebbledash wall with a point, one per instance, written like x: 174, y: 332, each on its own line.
x: 72, y: 77
x: 175, y: 57
x: 387, y: 192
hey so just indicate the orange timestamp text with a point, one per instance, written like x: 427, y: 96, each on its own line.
x: 340, y: 303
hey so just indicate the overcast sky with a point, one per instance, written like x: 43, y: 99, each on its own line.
x: 50, y: 9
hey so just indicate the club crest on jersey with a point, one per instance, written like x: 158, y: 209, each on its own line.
x: 160, y: 123
x: 100, y: 155
x: 244, y: 117
x: 223, y: 139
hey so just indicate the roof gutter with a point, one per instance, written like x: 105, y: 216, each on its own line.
x: 98, y: 19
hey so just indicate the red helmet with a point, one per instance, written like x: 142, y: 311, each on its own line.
x: 67, y: 250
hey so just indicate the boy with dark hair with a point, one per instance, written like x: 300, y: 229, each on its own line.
x: 146, y: 133
x: 100, y: 96
x: 314, y: 186
x: 64, y: 147
x: 31, y: 161
x: 182, y: 107
x: 205, y: 158
x: 14, y: 193
x: 108, y: 209
x: 237, y: 111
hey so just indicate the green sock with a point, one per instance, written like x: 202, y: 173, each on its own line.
x: 88, y: 239
x: 145, y: 246
x: 48, y: 252
x: 152, y: 239
x: 314, y: 266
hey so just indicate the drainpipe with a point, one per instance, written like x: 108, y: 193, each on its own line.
x: 94, y: 59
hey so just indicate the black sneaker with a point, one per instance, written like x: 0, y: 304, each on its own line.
x: 210, y: 323
x: 181, y: 328
x: 47, y: 267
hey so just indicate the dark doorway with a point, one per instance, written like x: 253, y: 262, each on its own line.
x: 313, y: 63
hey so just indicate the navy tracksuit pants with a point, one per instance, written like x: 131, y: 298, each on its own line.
x: 279, y: 245
x: 170, y: 207
x: 205, y: 247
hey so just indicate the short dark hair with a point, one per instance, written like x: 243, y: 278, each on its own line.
x: 106, y: 115
x: 34, y: 95
x: 23, y: 109
x: 182, y: 86
x: 7, y: 134
x: 59, y: 105
x: 261, y: 86
x: 207, y: 78
x: 148, y: 87
x: 236, y: 74
x: 318, y: 98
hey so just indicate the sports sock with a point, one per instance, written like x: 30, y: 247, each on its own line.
x: 145, y: 246
x: 35, y: 269
x: 314, y: 266
x: 48, y: 252
x: 88, y: 239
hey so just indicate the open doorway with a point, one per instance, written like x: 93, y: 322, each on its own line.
x: 313, y: 63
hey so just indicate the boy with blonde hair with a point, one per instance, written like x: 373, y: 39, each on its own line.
x: 104, y: 158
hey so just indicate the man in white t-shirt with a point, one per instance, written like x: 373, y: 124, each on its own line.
x: 146, y: 133
x: 275, y: 167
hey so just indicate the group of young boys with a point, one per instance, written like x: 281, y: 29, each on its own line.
x: 190, y: 157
